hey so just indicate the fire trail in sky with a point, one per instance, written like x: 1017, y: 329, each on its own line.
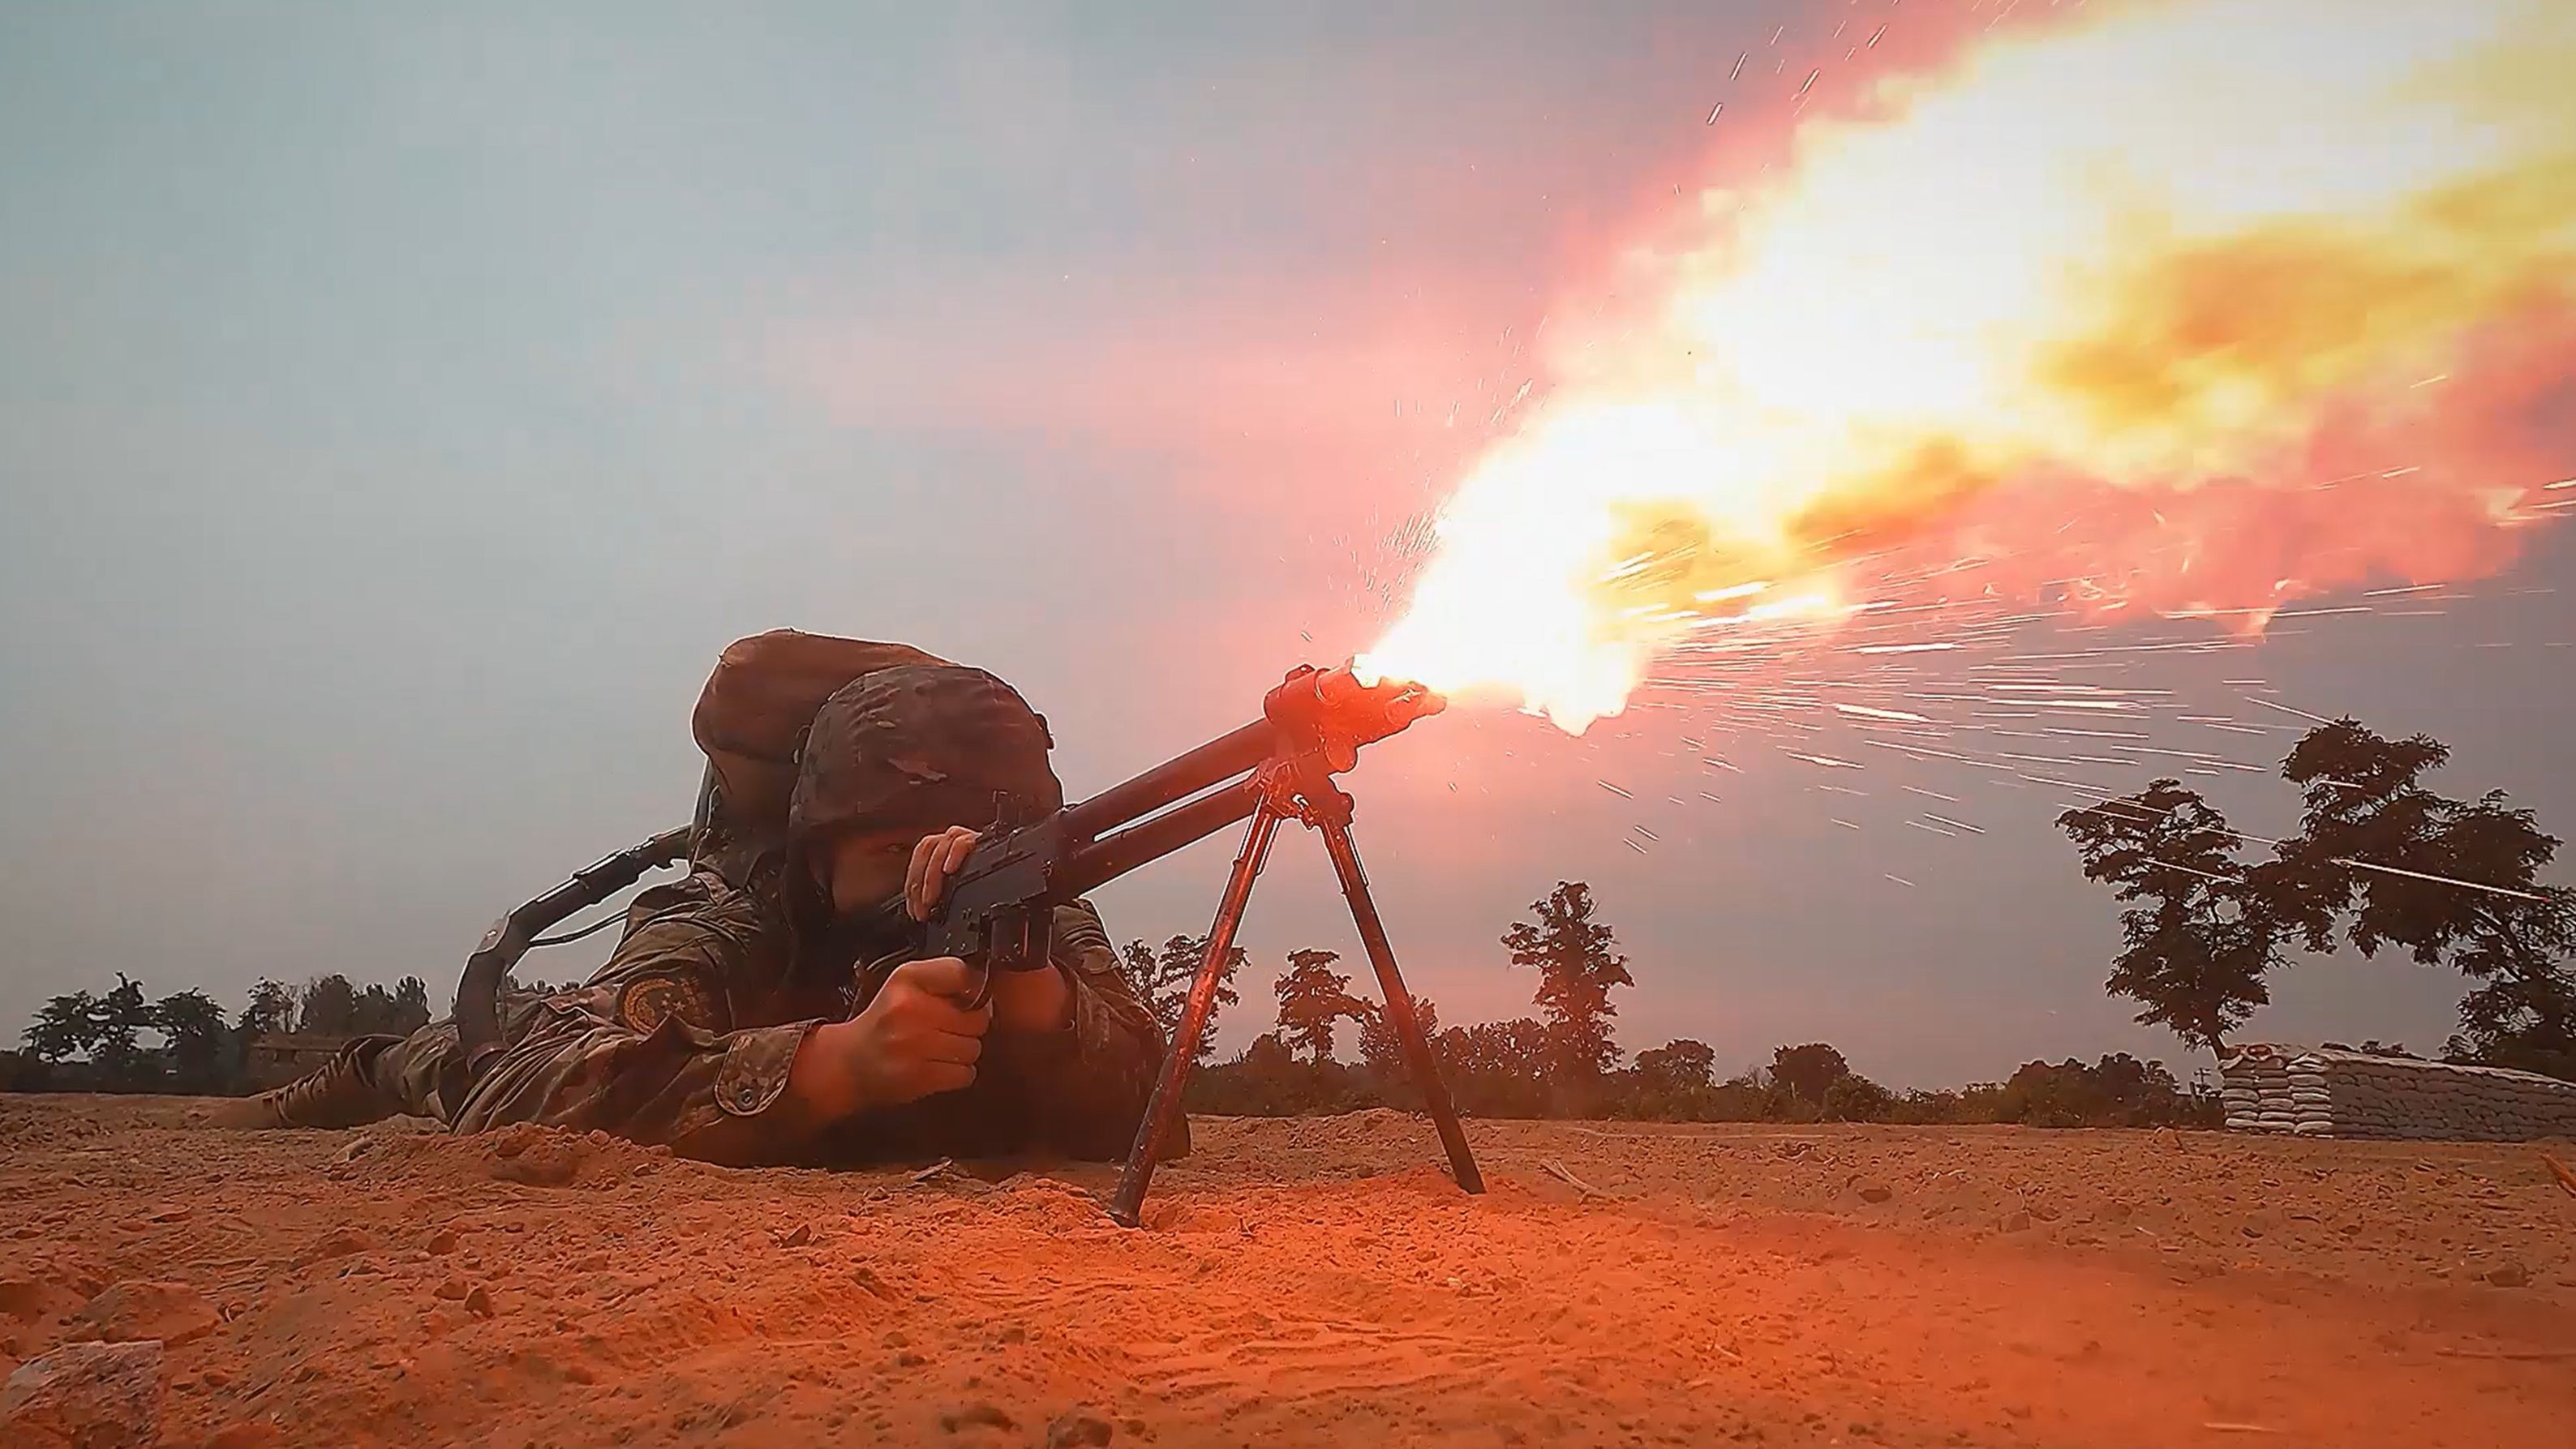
x: 2168, y: 252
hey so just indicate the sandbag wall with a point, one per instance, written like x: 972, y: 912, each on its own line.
x: 2322, y: 1092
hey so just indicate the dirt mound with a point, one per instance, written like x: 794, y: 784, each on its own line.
x: 530, y: 1155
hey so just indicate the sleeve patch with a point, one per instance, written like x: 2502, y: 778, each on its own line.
x: 644, y: 1004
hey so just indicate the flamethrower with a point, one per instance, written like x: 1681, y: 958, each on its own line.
x: 996, y: 908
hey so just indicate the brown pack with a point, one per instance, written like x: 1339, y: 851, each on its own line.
x: 751, y: 719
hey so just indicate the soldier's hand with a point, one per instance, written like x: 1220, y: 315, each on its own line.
x: 1032, y: 1002
x: 913, y: 1040
x: 934, y: 859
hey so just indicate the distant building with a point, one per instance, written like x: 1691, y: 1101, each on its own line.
x: 275, y: 1058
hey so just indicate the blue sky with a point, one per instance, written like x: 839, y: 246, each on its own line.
x: 399, y: 410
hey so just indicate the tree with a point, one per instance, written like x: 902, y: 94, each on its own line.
x: 1312, y: 996
x: 330, y: 1007
x: 1678, y: 1066
x: 1855, y: 1098
x: 116, y: 1049
x: 1808, y: 1072
x: 1577, y: 969
x: 1497, y: 1068
x: 2196, y: 954
x: 1380, y: 1052
x: 270, y: 1011
x: 2523, y: 1011
x: 1163, y: 980
x: 2441, y: 879
x: 1268, y: 1054
x: 411, y: 1005
x: 108, y: 1030
x: 65, y: 1026
x: 199, y: 1048
x: 372, y: 1014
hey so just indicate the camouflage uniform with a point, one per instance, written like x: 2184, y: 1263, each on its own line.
x: 687, y: 1034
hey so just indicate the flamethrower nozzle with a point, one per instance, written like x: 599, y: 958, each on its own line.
x: 1336, y: 710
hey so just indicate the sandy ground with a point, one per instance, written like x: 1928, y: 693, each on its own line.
x: 1316, y: 1282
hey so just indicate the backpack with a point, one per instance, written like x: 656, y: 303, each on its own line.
x: 751, y: 721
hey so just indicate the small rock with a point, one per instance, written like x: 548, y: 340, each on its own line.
x: 1876, y: 1192
x: 541, y: 1164
x: 2017, y: 1222
x: 796, y: 1237
x: 441, y: 1243
x: 133, y: 1311
x: 1078, y: 1430
x: 85, y: 1396
x: 2509, y: 1275
x: 479, y: 1302
x: 985, y: 1414
x: 453, y: 1288
x: 909, y: 1359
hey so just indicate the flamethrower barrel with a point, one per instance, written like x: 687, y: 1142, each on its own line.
x: 1178, y: 778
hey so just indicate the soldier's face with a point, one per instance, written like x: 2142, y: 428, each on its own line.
x: 868, y: 866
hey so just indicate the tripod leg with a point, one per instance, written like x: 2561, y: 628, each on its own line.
x: 1127, y: 1207
x: 1399, y: 1004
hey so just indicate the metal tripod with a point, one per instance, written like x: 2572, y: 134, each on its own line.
x: 1292, y: 788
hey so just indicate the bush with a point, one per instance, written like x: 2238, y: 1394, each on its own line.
x: 1257, y: 1085
x: 1854, y: 1098
x: 22, y: 1072
x: 2119, y: 1091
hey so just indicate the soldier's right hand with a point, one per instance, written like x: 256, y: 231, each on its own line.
x: 913, y: 1040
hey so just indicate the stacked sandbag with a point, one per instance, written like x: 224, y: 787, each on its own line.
x: 2325, y: 1092
x: 2257, y: 1091
x: 2311, y: 1100
x: 2242, y: 1098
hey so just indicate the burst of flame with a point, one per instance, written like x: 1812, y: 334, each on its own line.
x: 2151, y: 249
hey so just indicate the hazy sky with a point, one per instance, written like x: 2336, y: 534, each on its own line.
x: 399, y: 409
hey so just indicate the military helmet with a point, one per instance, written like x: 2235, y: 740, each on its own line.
x: 923, y: 745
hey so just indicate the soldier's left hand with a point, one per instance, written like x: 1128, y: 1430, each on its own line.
x: 1029, y: 1002
x: 934, y: 859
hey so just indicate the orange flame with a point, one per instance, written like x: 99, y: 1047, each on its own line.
x: 2152, y: 251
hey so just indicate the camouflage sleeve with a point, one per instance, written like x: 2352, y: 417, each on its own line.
x: 1089, y: 1082
x: 646, y: 1050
